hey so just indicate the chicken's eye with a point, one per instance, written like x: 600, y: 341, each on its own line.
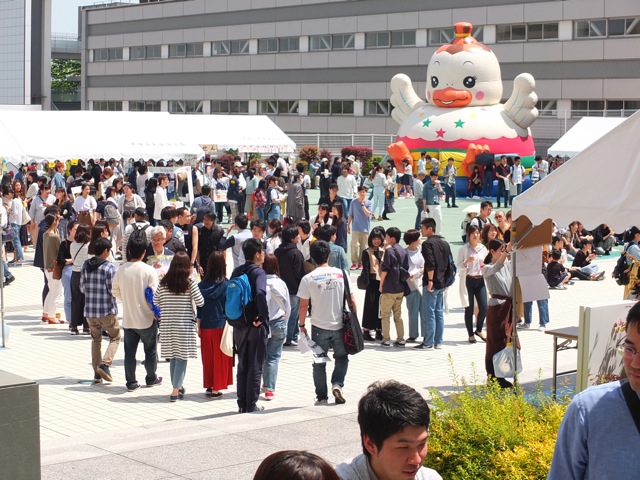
x: 469, y: 82
x: 434, y: 82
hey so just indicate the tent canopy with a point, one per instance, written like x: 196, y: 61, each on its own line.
x: 246, y: 133
x: 48, y: 136
x: 583, y: 134
x: 598, y: 186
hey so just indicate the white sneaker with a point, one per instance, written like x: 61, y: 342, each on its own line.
x: 321, y: 403
x: 337, y: 393
x: 526, y: 325
x: 542, y: 328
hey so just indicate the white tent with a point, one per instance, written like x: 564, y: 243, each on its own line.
x: 583, y: 134
x: 246, y: 133
x: 598, y: 186
x: 48, y: 136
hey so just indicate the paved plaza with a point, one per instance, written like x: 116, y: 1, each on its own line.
x: 103, y: 431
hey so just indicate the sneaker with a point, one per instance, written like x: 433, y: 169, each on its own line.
x: 437, y: 346
x: 104, y: 372
x: 571, y: 282
x: 560, y: 287
x: 173, y: 398
x: 526, y: 325
x: 354, y: 267
x: 542, y: 328
x: 208, y: 392
x: 269, y: 395
x: 379, y: 336
x: 321, y: 403
x: 411, y: 340
x: 600, y: 276
x: 157, y: 381
x: 367, y: 336
x: 337, y: 393
x: 257, y: 409
x: 386, y: 343
x: 400, y: 343
x: 422, y: 346
x: 359, y: 266
x: 133, y: 387
x: 97, y: 378
x: 294, y: 343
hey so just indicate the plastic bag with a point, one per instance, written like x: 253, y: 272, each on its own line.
x: 226, y: 342
x: 503, y: 362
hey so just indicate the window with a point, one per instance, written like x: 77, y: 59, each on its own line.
x: 441, y: 36
x: 181, y: 50
x: 289, y: 44
x: 107, y: 106
x: 268, y: 45
x: 239, y: 47
x: 542, y: 31
x: 547, y: 108
x: 330, y: 107
x: 320, y: 42
x: 587, y: 108
x: 590, y: 28
x: 405, y: 38
x: 377, y: 40
x: 144, y: 106
x: 278, y: 107
x: 621, y: 108
x: 137, y: 53
x: 101, y: 55
x: 619, y: 27
x: 229, y: 106
x: 185, y: 106
x: 377, y: 108
x: 115, y: 54
x: 344, y: 42
x: 141, y: 52
x: 511, y: 33
x: 220, y: 48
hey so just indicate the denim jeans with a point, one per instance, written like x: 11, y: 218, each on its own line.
x: 434, y: 316
x: 177, y: 370
x: 589, y: 269
x: 487, y: 188
x: 420, y: 206
x: 274, y: 352
x: 260, y: 213
x: 416, y: 313
x: 292, y: 326
x: 326, y: 339
x: 346, y: 202
x: 16, y: 242
x: 378, y: 201
x: 7, y: 273
x: 66, y: 286
x: 149, y: 339
x: 275, y: 211
x: 450, y: 193
x: 543, y: 311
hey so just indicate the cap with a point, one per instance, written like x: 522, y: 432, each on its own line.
x: 237, y: 164
x: 325, y: 159
x: 140, y: 212
x: 351, y: 158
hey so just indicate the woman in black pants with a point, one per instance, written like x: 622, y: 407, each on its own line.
x: 472, y: 287
x: 79, y: 251
x: 371, y: 260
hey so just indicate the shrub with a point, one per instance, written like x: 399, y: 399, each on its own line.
x: 325, y: 153
x: 308, y: 153
x: 227, y: 160
x: 484, y: 432
x: 363, y: 153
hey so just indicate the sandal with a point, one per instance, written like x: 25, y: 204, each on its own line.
x: 481, y: 335
x: 472, y: 339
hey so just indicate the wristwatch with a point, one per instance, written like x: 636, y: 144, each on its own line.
x: 301, y: 326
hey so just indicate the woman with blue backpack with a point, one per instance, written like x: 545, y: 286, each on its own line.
x: 217, y: 368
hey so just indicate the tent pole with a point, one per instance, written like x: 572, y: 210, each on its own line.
x: 2, y: 299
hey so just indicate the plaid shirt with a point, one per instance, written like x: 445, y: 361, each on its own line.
x: 96, y: 286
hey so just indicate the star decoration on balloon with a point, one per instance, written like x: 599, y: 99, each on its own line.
x: 440, y: 133
x: 426, y: 123
x: 459, y: 123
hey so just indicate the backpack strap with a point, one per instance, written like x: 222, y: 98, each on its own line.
x: 633, y: 403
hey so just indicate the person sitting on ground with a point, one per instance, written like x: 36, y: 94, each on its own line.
x: 582, y: 260
x: 572, y: 238
x: 557, y: 275
x: 394, y: 427
x: 604, y: 239
x: 557, y: 243
x: 295, y: 465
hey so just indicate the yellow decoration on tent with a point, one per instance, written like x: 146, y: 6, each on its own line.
x: 52, y: 164
x: 74, y: 161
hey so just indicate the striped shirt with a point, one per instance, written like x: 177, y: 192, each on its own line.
x: 178, y: 322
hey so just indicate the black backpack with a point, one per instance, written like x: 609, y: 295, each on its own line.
x: 138, y: 232
x: 450, y: 272
x: 621, y: 270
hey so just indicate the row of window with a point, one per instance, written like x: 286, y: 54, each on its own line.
x: 265, y: 107
x: 617, y: 27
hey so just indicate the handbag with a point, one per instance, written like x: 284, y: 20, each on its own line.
x: 86, y: 218
x: 363, y: 280
x: 8, y: 234
x: 226, y: 342
x: 57, y: 270
x: 503, y: 362
x: 353, y: 338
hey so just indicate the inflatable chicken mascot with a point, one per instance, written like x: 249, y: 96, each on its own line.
x: 462, y: 116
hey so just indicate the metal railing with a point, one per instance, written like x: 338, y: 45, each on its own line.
x: 334, y: 142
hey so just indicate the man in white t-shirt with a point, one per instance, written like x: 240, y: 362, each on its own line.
x: 347, y: 188
x: 325, y: 287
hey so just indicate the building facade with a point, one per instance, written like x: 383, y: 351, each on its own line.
x: 324, y: 66
x: 25, y: 52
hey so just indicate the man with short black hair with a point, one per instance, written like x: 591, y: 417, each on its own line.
x: 291, y: 263
x: 324, y: 288
x: 202, y: 204
x: 431, y: 192
x: 235, y: 242
x: 394, y: 427
x: 599, y: 436
x: 295, y: 199
x: 486, y: 207
x: 338, y: 257
x: 347, y: 187
x: 190, y: 233
x: 210, y: 236
x: 392, y: 290
x: 359, y: 226
x: 131, y: 283
x: 331, y: 197
x: 100, y: 308
x: 251, y: 341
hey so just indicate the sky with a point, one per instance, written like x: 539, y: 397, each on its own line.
x: 64, y: 15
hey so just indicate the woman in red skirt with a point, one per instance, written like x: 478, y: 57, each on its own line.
x: 217, y: 368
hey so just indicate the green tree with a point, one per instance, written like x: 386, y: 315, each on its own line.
x: 62, y: 73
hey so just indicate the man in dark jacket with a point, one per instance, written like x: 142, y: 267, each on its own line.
x: 392, y: 289
x: 291, y: 263
x: 251, y: 341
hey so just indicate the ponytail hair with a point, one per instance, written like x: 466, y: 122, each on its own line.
x: 494, y: 245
